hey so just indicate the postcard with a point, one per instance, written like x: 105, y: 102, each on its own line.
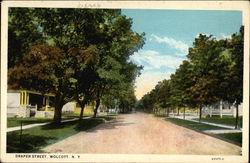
x: 125, y: 81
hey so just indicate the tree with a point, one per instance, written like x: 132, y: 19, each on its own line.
x: 43, y: 69
x: 148, y: 101
x: 126, y: 93
x: 205, y: 59
x: 62, y: 28
x: 181, y: 81
x: 95, y: 44
x: 23, y: 31
x: 235, y: 71
x: 163, y: 95
x: 114, y: 67
x: 83, y: 76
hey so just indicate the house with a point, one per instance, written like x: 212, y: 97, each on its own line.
x: 221, y: 108
x: 26, y: 103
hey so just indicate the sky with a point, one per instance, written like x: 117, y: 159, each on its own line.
x: 169, y: 34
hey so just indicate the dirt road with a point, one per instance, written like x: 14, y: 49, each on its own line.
x: 142, y: 133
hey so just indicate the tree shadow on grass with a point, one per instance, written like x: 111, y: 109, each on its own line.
x: 235, y: 137
x: 55, y: 126
x: 81, y: 125
x: 29, y: 143
x: 78, y: 125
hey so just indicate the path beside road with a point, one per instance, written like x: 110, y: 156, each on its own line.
x: 142, y: 133
x: 34, y: 125
x: 229, y: 128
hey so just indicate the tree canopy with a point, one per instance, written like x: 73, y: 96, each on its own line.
x: 83, y: 54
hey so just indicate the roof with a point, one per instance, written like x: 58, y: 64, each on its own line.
x: 29, y: 91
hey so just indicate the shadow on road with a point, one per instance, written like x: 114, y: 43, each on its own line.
x: 111, y: 125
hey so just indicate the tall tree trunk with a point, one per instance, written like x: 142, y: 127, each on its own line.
x: 98, y: 101
x: 82, y: 105
x: 200, y: 113
x: 178, y: 111
x: 237, y: 116
x: 59, y: 102
x: 58, y: 114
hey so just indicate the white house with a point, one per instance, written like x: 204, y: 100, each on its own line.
x: 26, y: 103
x: 221, y: 108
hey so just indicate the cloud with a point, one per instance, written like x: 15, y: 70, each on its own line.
x: 179, y: 45
x: 224, y: 36
x: 151, y: 53
x: 154, y: 60
x: 152, y: 73
x: 158, y: 65
x: 147, y: 81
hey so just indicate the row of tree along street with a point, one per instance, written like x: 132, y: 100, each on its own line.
x: 212, y: 72
x: 77, y: 54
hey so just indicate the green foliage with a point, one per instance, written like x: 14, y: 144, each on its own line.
x: 181, y: 80
x: 36, y: 138
x: 235, y: 72
x: 213, y: 72
x: 23, y: 31
x: 84, y: 53
x: 205, y: 56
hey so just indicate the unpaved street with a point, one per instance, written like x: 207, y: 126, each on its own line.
x: 142, y: 133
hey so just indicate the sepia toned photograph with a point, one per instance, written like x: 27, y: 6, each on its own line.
x: 107, y: 82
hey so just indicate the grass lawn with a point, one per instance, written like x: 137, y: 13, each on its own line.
x: 234, y: 137
x: 229, y: 120
x: 13, y: 122
x: 195, y: 125
x: 36, y: 138
x: 75, y: 115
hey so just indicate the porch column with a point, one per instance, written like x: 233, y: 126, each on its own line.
x: 21, y: 98
x: 221, y: 108
x: 211, y: 110
x: 25, y: 98
x: 28, y: 99
x: 46, y: 103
